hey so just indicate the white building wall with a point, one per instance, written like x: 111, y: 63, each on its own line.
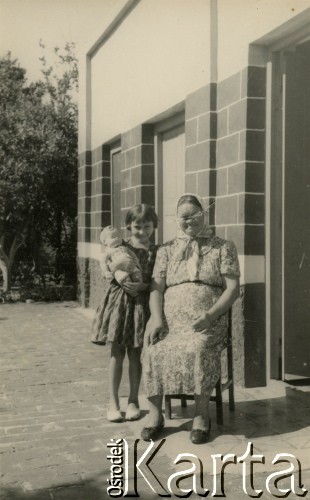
x: 242, y: 22
x: 157, y: 56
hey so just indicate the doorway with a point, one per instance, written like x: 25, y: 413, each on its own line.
x: 171, y: 178
x: 290, y: 214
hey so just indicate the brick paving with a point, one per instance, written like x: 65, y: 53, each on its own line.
x: 53, y: 431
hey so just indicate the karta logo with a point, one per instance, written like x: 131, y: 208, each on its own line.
x: 123, y: 484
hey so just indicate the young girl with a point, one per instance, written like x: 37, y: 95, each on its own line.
x: 122, y: 315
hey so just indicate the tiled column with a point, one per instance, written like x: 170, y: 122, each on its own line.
x: 101, y: 191
x: 84, y: 210
x: 240, y: 204
x: 137, y: 183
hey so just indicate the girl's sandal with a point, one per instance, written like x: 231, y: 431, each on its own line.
x: 133, y: 412
x: 114, y: 416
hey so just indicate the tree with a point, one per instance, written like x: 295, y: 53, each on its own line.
x: 38, y: 152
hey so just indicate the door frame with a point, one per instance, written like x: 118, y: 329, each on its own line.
x: 275, y: 199
x: 160, y: 128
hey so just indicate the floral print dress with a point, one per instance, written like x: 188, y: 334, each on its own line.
x: 186, y: 361
x: 119, y: 317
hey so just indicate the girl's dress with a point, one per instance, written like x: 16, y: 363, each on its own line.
x: 119, y: 317
x: 186, y: 361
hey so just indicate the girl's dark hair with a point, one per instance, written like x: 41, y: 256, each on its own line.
x: 143, y: 213
x: 189, y: 198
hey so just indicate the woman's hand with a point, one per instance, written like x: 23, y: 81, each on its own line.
x: 153, y: 330
x: 203, y: 322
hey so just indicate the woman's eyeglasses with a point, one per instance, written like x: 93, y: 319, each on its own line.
x: 195, y: 217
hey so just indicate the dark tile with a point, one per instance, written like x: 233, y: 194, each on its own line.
x: 147, y: 133
x: 87, y: 203
x: 148, y: 195
x: 88, y: 188
x: 256, y: 113
x: 104, y: 169
x: 251, y: 208
x: 254, y: 81
x: 254, y: 240
x: 255, y: 178
x: 104, y: 219
x: 252, y: 145
x: 148, y: 174
x: 104, y: 202
x: 254, y: 334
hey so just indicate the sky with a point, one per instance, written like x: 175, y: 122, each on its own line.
x: 24, y: 22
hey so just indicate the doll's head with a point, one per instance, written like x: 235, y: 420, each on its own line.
x: 110, y: 237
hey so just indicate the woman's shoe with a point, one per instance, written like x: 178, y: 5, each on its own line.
x: 114, y: 416
x: 149, y: 433
x: 132, y: 412
x: 199, y: 436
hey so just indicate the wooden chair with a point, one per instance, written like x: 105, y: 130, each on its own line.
x: 220, y: 386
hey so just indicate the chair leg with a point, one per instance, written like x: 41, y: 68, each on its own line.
x: 230, y: 370
x: 183, y: 402
x: 231, y: 396
x: 168, y: 407
x: 219, y: 402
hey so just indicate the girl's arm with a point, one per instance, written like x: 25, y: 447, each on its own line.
x: 155, y: 323
x: 226, y: 300
x: 134, y: 288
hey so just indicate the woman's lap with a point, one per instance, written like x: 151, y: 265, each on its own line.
x: 185, y: 361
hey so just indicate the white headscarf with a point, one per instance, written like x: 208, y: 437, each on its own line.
x: 189, y: 249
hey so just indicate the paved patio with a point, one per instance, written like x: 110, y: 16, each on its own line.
x: 54, y: 435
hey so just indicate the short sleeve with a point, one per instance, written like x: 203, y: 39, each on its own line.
x: 161, y: 263
x: 229, y: 263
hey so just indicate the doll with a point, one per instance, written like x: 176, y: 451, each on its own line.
x: 118, y: 260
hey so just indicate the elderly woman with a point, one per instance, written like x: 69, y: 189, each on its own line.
x: 195, y: 282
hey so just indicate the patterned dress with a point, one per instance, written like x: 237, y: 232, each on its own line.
x: 120, y: 317
x: 186, y: 361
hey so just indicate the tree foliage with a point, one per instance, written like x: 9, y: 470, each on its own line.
x: 38, y: 154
